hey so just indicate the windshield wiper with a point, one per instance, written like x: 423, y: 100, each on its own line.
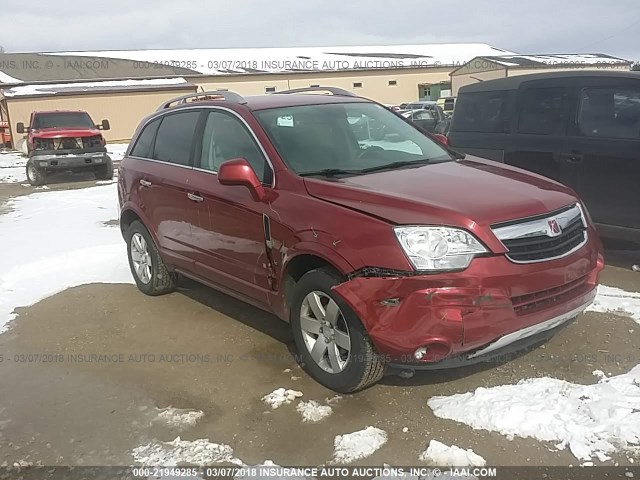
x: 394, y: 165
x: 329, y: 172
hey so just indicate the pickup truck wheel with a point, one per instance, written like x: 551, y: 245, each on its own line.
x: 149, y: 271
x: 333, y: 345
x: 35, y: 176
x: 104, y: 171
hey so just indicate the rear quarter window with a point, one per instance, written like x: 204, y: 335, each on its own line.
x: 144, y: 143
x: 486, y: 112
x: 610, y: 112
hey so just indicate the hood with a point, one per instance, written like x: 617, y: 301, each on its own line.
x: 456, y: 193
x: 66, y: 132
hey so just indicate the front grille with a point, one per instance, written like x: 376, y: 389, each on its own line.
x: 532, y: 302
x: 69, y: 143
x: 545, y: 237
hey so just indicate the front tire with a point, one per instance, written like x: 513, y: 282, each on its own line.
x: 35, y: 176
x: 149, y: 271
x: 333, y: 345
x: 104, y: 171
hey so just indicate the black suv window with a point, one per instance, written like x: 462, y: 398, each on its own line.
x: 175, y: 137
x: 543, y: 111
x: 485, y: 112
x: 225, y: 138
x: 610, y: 112
x: 143, y: 145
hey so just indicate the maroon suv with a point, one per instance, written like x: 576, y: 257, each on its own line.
x: 378, y: 249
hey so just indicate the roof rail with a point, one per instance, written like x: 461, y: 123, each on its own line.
x: 333, y: 90
x: 214, y: 94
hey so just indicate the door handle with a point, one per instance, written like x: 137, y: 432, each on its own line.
x: 571, y: 157
x: 145, y: 183
x: 194, y: 197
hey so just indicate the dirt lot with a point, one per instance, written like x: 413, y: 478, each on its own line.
x: 202, y: 350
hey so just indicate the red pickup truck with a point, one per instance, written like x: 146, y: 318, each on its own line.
x: 65, y: 141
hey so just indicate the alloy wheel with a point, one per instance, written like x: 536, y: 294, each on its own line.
x: 325, y: 332
x: 141, y: 258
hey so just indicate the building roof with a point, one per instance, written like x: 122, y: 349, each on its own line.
x: 104, y: 64
x: 551, y: 60
x: 513, y: 83
x: 96, y: 87
x: 556, y: 59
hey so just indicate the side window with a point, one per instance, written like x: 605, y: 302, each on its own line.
x: 486, y: 112
x: 543, y: 111
x: 226, y: 138
x: 144, y: 143
x: 610, y: 112
x: 175, y: 137
x: 424, y: 115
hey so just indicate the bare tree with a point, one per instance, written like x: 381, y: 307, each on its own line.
x: 635, y: 66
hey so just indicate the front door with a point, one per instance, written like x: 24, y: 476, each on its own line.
x: 229, y: 232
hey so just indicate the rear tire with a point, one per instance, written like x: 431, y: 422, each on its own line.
x: 149, y: 271
x: 104, y: 171
x: 35, y: 176
x: 339, y: 368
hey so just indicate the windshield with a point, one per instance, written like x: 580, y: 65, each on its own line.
x: 62, y: 119
x: 348, y: 137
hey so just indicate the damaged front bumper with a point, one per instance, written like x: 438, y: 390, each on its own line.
x: 68, y: 159
x: 452, y: 319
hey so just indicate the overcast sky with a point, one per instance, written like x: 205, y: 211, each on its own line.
x: 523, y: 26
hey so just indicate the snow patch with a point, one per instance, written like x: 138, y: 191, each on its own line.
x: 439, y: 454
x: 117, y: 150
x: 12, y: 167
x: 197, y: 452
x: 280, y: 396
x: 616, y: 300
x: 313, y: 412
x: 592, y: 420
x: 354, y: 446
x: 4, y: 78
x: 181, y: 418
x: 80, y: 248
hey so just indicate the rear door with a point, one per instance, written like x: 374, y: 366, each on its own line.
x: 229, y: 231
x: 606, y: 135
x: 163, y: 182
x: 538, y: 141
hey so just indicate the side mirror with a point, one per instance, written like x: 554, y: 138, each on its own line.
x: 104, y: 125
x: 20, y: 127
x: 441, y: 138
x: 239, y: 172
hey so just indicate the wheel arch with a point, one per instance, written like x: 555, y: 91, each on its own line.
x: 130, y: 214
x: 304, y: 261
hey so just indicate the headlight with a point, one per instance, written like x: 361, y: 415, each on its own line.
x: 586, y: 216
x: 438, y: 248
